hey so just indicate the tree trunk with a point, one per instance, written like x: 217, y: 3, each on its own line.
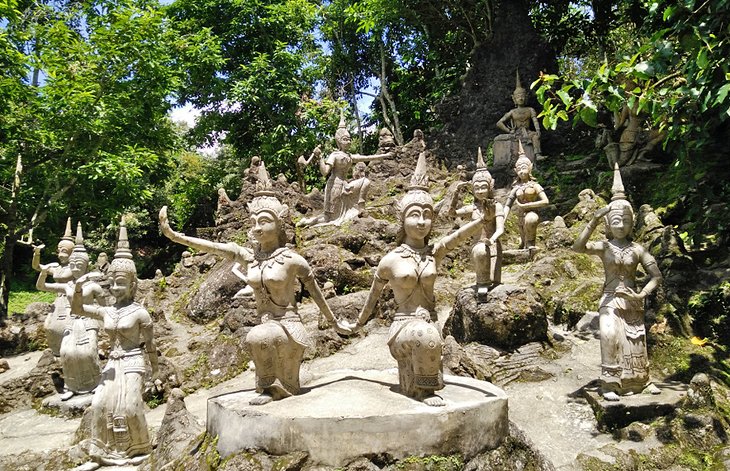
x: 6, y: 258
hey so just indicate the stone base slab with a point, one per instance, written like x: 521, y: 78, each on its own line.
x: 72, y: 407
x: 350, y: 413
x: 612, y: 415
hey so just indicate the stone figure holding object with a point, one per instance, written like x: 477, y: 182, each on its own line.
x: 414, y: 338
x: 487, y: 253
x: 119, y: 434
x: 624, y: 359
x: 336, y: 167
x: 78, y: 350
x: 526, y: 196
x: 273, y: 271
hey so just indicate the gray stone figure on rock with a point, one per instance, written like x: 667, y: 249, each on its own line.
x: 521, y: 124
x: 414, y: 339
x: 526, y: 196
x: 337, y: 168
x: 57, y: 321
x: 119, y: 434
x: 274, y: 271
x: 624, y: 359
x: 79, y: 345
x: 487, y: 253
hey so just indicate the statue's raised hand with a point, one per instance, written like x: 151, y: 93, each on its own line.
x: 165, y: 222
x: 48, y: 266
x: 600, y: 213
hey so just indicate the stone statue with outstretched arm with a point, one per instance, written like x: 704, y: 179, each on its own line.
x: 78, y: 348
x: 624, y: 359
x: 273, y: 271
x: 517, y: 121
x: 414, y: 339
x: 119, y: 434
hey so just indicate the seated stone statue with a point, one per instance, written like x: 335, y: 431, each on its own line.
x: 487, y: 253
x: 337, y: 168
x: 274, y: 272
x: 57, y: 321
x: 624, y: 359
x: 414, y: 339
x: 79, y: 345
x: 516, y: 123
x: 526, y: 196
x: 119, y: 434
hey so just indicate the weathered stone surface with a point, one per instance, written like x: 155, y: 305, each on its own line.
x: 517, y: 453
x: 73, y: 407
x: 512, y: 316
x: 179, y: 427
x: 612, y: 415
x: 370, y: 418
x: 212, y: 298
x: 42, y: 380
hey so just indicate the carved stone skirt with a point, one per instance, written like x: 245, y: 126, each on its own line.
x: 80, y: 355
x: 416, y: 344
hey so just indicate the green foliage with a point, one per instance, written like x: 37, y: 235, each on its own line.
x: 710, y: 312
x: 20, y: 298
x: 431, y: 463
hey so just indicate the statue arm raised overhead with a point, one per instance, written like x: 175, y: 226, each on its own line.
x: 581, y: 244
x: 41, y: 284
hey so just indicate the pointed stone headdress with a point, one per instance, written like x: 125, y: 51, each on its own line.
x: 67, y: 240
x: 342, y: 127
x: 418, y: 189
x: 522, y: 157
x: 618, y: 195
x: 265, y: 196
x: 79, y: 249
x: 482, y: 173
x: 518, y: 83
x: 123, y: 256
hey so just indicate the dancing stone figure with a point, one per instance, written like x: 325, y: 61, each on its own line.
x: 487, y: 253
x: 526, y: 196
x: 337, y: 168
x: 119, y: 434
x: 79, y: 345
x: 274, y: 271
x: 624, y: 359
x: 410, y: 269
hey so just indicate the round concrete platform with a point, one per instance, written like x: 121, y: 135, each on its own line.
x: 349, y: 413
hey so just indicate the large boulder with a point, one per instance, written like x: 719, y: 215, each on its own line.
x: 512, y: 316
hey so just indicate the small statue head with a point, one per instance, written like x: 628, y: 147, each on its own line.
x: 102, y: 260
x: 342, y: 135
x: 122, y: 271
x: 523, y: 168
x: 482, y: 182
x: 620, y: 216
x: 266, y: 211
x: 519, y: 96
x: 78, y: 262
x: 255, y: 161
x: 416, y: 206
x: 360, y: 170
x: 66, y: 244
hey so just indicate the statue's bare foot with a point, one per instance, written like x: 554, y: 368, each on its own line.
x: 66, y: 395
x: 651, y: 389
x: 261, y: 399
x: 433, y: 401
x: 611, y: 396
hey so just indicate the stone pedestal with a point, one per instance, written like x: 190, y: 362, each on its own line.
x: 72, y: 407
x: 350, y: 413
x: 613, y: 415
x: 506, y: 151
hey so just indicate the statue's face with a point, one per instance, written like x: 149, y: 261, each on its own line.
x: 417, y: 221
x: 65, y: 248
x: 265, y: 227
x: 482, y: 189
x: 343, y: 142
x: 523, y: 171
x: 620, y: 223
x: 78, y: 265
x: 519, y: 96
x: 122, y: 286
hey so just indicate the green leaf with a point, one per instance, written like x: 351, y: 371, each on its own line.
x: 589, y: 116
x: 702, y: 59
x: 564, y: 97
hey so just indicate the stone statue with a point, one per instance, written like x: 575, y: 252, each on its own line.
x: 274, y: 271
x: 337, y: 167
x: 57, y: 321
x: 414, y: 339
x: 526, y: 196
x: 386, y: 141
x: 624, y: 360
x: 356, y: 191
x: 79, y: 344
x: 119, y: 434
x: 251, y: 173
x: 102, y: 263
x: 487, y: 253
x: 516, y: 123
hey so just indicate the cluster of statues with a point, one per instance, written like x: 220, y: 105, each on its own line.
x: 273, y: 271
x: 119, y: 433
